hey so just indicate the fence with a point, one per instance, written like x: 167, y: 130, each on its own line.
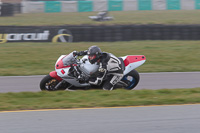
x: 6, y: 9
x: 109, y: 5
x: 98, y: 33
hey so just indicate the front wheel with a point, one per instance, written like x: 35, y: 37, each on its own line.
x: 132, y: 79
x: 49, y: 83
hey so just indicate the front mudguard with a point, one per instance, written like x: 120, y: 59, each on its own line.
x: 53, y: 74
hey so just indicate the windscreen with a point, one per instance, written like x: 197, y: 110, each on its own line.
x: 69, y: 59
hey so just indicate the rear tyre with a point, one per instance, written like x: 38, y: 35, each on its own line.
x: 48, y: 83
x: 132, y: 79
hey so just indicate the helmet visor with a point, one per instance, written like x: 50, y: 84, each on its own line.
x: 92, y: 57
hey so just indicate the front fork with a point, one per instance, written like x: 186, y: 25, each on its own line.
x: 54, y: 75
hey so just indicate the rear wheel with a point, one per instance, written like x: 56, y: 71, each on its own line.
x: 132, y: 79
x: 48, y: 83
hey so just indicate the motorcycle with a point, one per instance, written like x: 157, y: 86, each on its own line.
x: 72, y: 73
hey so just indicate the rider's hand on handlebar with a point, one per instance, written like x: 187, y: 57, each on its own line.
x: 80, y: 53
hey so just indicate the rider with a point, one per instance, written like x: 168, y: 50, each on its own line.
x: 110, y: 67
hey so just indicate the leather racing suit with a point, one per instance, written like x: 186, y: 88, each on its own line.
x: 110, y: 70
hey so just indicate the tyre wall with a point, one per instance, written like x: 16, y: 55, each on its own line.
x: 136, y: 32
x: 87, y: 33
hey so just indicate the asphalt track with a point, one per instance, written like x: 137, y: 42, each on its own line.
x: 162, y: 80
x: 152, y: 119
x: 149, y: 119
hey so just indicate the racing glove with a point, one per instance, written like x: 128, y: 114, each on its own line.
x: 81, y: 53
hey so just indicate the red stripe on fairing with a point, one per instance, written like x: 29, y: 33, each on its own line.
x: 133, y: 58
x: 53, y: 74
x: 60, y: 64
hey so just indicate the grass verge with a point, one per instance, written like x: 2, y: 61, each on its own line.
x: 96, y: 98
x: 40, y: 58
x: 120, y: 17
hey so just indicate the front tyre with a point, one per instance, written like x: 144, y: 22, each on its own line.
x: 132, y: 79
x: 48, y: 83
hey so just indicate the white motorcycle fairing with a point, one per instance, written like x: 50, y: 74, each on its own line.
x: 84, y: 65
x: 132, y: 61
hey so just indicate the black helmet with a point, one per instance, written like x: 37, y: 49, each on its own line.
x: 94, y: 54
